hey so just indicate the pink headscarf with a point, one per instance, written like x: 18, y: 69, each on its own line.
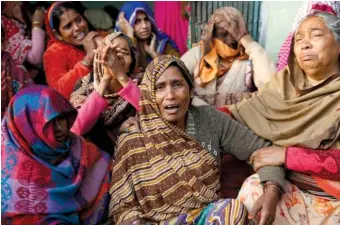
x: 306, y: 9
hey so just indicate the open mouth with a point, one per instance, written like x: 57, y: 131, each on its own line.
x: 171, y: 109
x: 80, y: 36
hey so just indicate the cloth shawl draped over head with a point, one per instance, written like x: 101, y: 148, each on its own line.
x: 160, y: 172
x: 44, y: 181
x: 307, y: 8
x: 290, y: 112
x: 49, y: 23
x: 118, y: 109
x: 132, y: 8
x: 217, y: 58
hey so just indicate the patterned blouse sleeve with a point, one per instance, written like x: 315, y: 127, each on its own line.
x: 322, y: 163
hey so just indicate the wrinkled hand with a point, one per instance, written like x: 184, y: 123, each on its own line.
x: 268, y: 156
x: 266, y: 203
x: 124, y: 25
x: 151, y: 48
x: 39, y: 16
x: 102, y: 79
x: 129, y: 125
x: 236, y: 25
x: 89, y: 42
x: 113, y: 59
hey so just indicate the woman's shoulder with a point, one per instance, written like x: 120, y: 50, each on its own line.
x: 129, y: 141
x: 194, y: 51
x: 63, y: 51
x: 59, y: 47
x: 206, y: 113
x: 209, y: 116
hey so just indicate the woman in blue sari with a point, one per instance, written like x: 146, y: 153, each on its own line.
x: 136, y: 20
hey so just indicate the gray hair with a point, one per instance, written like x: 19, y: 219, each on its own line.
x: 331, y: 21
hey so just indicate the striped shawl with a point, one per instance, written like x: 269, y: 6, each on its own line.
x: 161, y: 172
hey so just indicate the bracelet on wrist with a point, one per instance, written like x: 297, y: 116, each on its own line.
x: 36, y: 24
x: 273, y: 184
x: 85, y: 63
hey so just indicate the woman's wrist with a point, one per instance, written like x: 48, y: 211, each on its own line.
x: 88, y: 60
x: 271, y: 186
x: 37, y: 24
x: 246, y: 40
x: 123, y: 79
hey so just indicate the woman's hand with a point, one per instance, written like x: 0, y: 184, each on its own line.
x: 129, y: 125
x: 125, y: 26
x: 101, y: 80
x: 114, y: 62
x: 268, y: 156
x: 90, y: 45
x: 266, y: 203
x: 151, y: 48
x: 38, y: 18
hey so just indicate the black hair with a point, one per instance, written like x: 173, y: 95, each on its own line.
x: 112, y: 11
x: 59, y: 11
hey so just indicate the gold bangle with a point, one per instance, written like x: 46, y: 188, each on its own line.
x: 85, y: 64
x: 36, y: 23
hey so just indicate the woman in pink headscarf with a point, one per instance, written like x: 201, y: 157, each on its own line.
x: 307, y: 8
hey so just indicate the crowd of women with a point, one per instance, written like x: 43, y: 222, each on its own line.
x: 120, y: 128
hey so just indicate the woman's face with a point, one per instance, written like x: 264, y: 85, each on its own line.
x: 142, y: 27
x: 173, y: 96
x: 124, y: 53
x: 61, y: 129
x: 73, y: 27
x: 315, y: 47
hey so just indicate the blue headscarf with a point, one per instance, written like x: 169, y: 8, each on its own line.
x: 130, y: 10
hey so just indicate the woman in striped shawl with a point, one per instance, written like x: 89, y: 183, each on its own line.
x: 168, y: 172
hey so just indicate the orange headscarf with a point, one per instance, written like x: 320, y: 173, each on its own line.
x: 217, y: 57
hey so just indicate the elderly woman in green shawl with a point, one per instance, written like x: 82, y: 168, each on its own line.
x: 299, y: 110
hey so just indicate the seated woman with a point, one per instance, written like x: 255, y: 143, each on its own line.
x: 14, y: 76
x: 168, y: 172
x: 299, y: 110
x: 227, y: 62
x: 49, y: 175
x: 108, y: 96
x: 69, y: 55
x: 136, y: 20
x: 224, y: 74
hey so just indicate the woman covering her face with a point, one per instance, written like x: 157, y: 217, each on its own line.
x: 104, y: 105
x: 227, y: 64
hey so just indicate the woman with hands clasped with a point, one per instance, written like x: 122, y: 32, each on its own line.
x: 108, y: 96
x: 69, y: 55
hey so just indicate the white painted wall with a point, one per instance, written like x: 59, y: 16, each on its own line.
x: 276, y: 21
